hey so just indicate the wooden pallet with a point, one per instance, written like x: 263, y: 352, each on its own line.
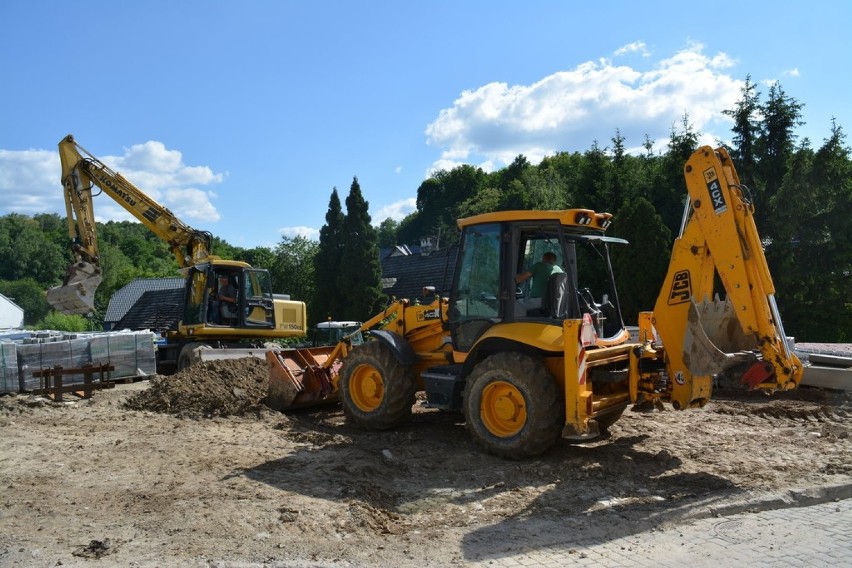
x: 52, y: 381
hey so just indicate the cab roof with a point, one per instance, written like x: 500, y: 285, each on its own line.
x: 579, y: 218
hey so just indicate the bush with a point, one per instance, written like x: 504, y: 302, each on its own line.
x: 63, y: 322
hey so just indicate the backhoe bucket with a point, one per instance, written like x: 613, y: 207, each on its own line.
x: 77, y: 295
x: 714, y: 340
x: 298, y: 378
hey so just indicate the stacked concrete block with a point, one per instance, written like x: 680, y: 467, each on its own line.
x: 132, y: 353
x: 9, y: 381
x: 36, y: 357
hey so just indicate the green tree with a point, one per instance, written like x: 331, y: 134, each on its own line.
x: 260, y: 257
x: 668, y: 193
x: 28, y: 251
x: 438, y: 199
x: 811, y: 244
x: 359, y: 277
x: 28, y: 295
x: 293, y: 271
x: 387, y: 233
x: 329, y: 253
x: 592, y: 191
x: 486, y: 200
x: 568, y: 169
x: 746, y: 129
x: 640, y: 267
x: 775, y: 145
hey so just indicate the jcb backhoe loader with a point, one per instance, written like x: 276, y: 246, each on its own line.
x: 207, y: 323
x: 523, y: 378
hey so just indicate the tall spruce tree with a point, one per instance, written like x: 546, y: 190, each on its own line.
x: 746, y: 129
x: 641, y: 266
x: 810, y: 254
x: 669, y: 191
x: 328, y: 298
x: 360, y: 273
x: 775, y: 145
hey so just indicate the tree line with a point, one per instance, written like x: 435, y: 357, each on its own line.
x: 802, y: 195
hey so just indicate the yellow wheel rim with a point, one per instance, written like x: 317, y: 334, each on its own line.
x: 503, y: 409
x: 366, y: 388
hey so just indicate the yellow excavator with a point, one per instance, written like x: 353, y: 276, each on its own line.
x: 524, y: 377
x: 211, y: 321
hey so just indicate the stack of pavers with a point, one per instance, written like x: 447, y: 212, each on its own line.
x: 132, y: 354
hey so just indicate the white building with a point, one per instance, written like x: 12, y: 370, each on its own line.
x: 11, y: 314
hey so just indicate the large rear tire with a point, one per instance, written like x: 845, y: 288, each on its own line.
x: 376, y: 390
x: 512, y: 406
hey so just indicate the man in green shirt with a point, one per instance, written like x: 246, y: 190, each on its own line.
x: 540, y: 273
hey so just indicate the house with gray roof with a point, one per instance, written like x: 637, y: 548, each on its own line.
x: 405, y: 275
x: 125, y: 298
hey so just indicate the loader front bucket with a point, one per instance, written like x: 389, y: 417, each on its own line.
x: 77, y: 295
x: 300, y: 377
x: 714, y: 340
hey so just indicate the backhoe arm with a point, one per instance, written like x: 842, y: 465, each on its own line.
x: 702, y: 334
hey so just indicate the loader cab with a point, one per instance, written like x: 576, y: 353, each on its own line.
x: 496, y: 247
x: 251, y: 291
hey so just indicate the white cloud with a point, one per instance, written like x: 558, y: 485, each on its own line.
x: 29, y: 183
x: 293, y: 232
x: 396, y: 211
x: 193, y: 204
x: 635, y: 47
x: 568, y: 110
x: 794, y: 72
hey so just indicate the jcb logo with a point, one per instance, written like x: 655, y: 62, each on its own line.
x: 681, y: 288
x: 715, y: 189
x: 428, y: 315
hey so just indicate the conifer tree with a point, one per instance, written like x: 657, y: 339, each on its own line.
x: 746, y: 130
x: 775, y: 145
x: 360, y: 273
x: 329, y: 253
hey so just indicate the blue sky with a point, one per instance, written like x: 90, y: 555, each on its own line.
x: 241, y: 117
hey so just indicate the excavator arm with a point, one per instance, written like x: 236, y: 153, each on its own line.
x: 702, y: 334
x: 81, y: 172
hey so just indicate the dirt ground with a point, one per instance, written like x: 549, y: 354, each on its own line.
x: 193, y: 470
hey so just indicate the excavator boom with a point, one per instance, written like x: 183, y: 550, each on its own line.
x: 81, y: 172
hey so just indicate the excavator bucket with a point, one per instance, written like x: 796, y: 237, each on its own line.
x: 714, y: 340
x: 299, y: 378
x: 77, y: 295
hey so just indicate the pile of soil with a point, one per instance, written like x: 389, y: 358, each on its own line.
x: 213, y: 388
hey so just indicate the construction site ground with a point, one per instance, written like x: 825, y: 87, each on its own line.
x: 193, y: 470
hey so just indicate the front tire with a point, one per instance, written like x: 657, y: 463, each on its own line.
x: 189, y: 355
x: 376, y: 390
x: 512, y: 406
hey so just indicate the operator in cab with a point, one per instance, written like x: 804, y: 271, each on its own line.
x: 540, y: 273
x: 225, y: 301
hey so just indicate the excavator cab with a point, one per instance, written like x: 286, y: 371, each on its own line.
x: 228, y: 294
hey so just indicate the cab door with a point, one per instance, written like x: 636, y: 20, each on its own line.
x: 257, y: 299
x: 475, y: 301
